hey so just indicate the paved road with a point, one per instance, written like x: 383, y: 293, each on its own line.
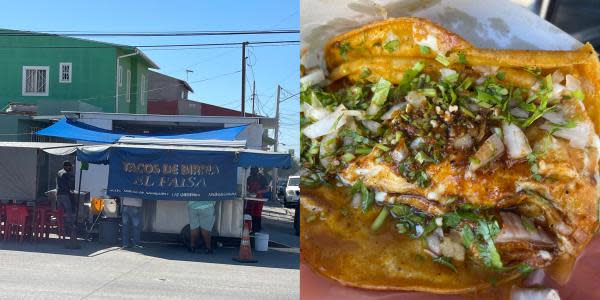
x: 46, y: 270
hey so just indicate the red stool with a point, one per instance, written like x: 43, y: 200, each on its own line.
x: 40, y: 221
x: 2, y: 218
x: 16, y: 221
x: 55, y: 220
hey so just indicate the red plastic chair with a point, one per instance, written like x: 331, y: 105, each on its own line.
x: 2, y: 218
x: 16, y: 221
x: 55, y: 221
x: 40, y: 221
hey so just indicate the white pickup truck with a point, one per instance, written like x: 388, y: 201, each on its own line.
x: 292, y: 192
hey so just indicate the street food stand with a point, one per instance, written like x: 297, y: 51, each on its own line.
x: 28, y: 169
x: 174, y: 169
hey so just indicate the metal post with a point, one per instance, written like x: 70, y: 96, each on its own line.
x: 244, y: 78
x: 253, y: 95
x: 275, y: 170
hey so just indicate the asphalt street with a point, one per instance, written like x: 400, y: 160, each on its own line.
x: 46, y: 270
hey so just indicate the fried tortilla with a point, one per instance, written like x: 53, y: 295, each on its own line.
x: 431, y: 165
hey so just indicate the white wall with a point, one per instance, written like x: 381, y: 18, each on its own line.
x: 95, y: 180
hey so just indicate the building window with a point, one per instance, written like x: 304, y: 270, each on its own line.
x: 35, y: 81
x: 182, y: 94
x: 128, y: 87
x: 66, y: 72
x: 142, y: 90
x: 120, y: 75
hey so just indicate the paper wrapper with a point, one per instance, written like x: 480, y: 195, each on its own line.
x: 486, y: 24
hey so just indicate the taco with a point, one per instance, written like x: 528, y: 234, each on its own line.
x: 432, y: 165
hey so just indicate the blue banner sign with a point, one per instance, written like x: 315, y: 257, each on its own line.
x: 161, y: 174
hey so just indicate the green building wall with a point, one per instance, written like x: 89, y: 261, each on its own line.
x: 92, y: 87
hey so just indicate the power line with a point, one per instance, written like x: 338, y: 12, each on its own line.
x: 289, y: 97
x: 150, y: 34
x: 162, y: 45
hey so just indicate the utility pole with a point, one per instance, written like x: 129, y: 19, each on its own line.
x: 244, y: 78
x: 253, y: 95
x: 275, y: 170
x: 277, y: 119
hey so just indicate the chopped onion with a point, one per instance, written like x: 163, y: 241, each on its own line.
x: 390, y: 37
x: 489, y: 151
x: 313, y: 78
x: 380, y: 197
x: 327, y: 148
x: 359, y: 114
x: 463, y: 142
x: 415, y: 99
x: 445, y: 72
x: 416, y: 143
x: 356, y: 200
x: 434, y: 239
x: 331, y: 123
x: 429, y: 41
x: 533, y: 294
x: 486, y: 70
x: 313, y: 113
x: 572, y: 83
x: 399, y: 155
x: 515, y: 141
x: 557, y: 90
x: 578, y: 136
x: 557, y: 76
x: 519, y: 113
x: 514, y: 230
x: 555, y: 117
x: 390, y: 113
x: 371, y: 125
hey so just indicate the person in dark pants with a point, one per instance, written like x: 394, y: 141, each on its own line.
x: 65, y: 183
x: 256, y: 184
x: 131, y: 211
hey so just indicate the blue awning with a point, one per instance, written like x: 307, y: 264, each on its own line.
x: 264, y: 159
x: 246, y: 158
x: 74, y: 130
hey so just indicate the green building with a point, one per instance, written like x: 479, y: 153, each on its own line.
x: 49, y: 73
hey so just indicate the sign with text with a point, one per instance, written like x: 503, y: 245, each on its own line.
x: 162, y: 174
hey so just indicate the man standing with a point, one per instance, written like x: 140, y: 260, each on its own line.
x: 202, y: 219
x: 65, y: 183
x: 131, y: 210
x: 256, y: 184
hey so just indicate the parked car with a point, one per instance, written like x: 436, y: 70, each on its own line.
x: 292, y: 192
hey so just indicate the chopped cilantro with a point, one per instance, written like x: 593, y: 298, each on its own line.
x: 445, y: 261
x: 467, y: 236
x: 488, y: 230
x: 343, y: 48
x: 501, y: 75
x: 365, y: 72
x: 442, y: 60
x: 461, y: 58
x: 424, y: 49
x: 392, y: 45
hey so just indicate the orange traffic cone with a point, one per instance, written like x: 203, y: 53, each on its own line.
x: 245, y: 249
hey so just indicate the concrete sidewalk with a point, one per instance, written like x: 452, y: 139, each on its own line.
x: 47, y: 270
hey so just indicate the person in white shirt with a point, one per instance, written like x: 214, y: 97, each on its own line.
x: 131, y: 211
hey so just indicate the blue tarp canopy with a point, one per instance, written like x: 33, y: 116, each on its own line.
x: 74, y: 130
x: 246, y: 158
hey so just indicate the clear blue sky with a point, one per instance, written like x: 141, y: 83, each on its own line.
x: 270, y: 65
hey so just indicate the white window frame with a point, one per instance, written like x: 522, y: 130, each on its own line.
x: 60, y: 72
x: 128, y: 87
x: 120, y: 75
x: 24, y: 80
x: 143, y: 89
